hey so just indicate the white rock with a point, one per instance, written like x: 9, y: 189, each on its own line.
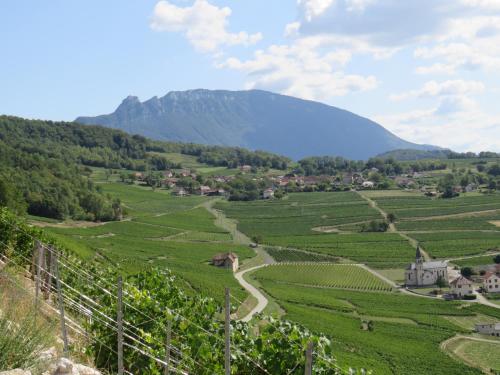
x: 64, y: 366
x: 16, y: 372
x: 84, y: 370
x: 48, y: 355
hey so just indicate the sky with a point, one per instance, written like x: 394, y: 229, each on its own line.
x: 427, y: 70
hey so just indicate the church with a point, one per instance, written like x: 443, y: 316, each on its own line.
x: 423, y: 273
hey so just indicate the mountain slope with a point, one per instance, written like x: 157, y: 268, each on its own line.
x: 254, y: 119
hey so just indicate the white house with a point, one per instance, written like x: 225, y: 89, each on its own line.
x: 268, y: 193
x: 461, y: 286
x: 491, y: 282
x: 368, y: 184
x: 423, y: 273
x: 488, y: 329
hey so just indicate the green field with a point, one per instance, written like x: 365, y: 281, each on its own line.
x: 164, y: 231
x: 341, y: 276
x: 406, y: 335
x: 288, y: 224
x: 299, y: 213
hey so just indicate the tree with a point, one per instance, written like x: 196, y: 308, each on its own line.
x: 391, y: 217
x: 467, y: 272
x: 446, y: 186
x: 497, y: 259
x: 257, y: 239
x: 440, y: 282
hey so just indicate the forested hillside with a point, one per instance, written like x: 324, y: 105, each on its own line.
x: 44, y: 165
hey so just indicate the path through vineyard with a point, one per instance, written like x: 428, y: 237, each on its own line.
x: 262, y: 259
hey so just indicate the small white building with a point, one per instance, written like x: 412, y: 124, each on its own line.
x: 488, y: 329
x: 491, y: 282
x: 423, y: 273
x: 226, y: 260
x: 461, y: 286
x: 368, y: 184
x: 268, y: 193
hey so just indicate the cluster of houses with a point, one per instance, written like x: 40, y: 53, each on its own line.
x: 347, y: 180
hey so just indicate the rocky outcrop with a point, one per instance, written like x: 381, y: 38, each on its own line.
x: 63, y: 366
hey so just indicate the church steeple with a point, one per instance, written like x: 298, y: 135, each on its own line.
x: 418, y: 255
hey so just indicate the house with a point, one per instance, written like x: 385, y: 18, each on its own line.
x: 170, y: 182
x: 423, y: 273
x: 184, y: 172
x: 461, y: 286
x: 180, y: 192
x: 491, y: 282
x: 139, y: 176
x: 168, y: 174
x: 488, y: 329
x: 404, y: 181
x: 368, y: 184
x: 204, y: 190
x: 245, y: 168
x: 347, y: 179
x: 268, y: 193
x: 226, y: 260
x: 470, y: 188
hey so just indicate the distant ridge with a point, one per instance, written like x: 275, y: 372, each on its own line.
x: 256, y: 120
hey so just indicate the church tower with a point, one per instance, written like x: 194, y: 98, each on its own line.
x: 419, y: 266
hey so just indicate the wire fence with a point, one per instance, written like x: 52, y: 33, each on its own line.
x: 58, y: 279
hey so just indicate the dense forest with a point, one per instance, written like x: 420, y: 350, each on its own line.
x: 328, y: 165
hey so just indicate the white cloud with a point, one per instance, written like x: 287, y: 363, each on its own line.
x: 314, y: 8
x: 441, y: 89
x: 203, y: 24
x: 300, y: 70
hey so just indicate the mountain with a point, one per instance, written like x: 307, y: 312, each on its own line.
x: 256, y: 120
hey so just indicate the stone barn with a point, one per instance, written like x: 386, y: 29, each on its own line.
x: 226, y: 260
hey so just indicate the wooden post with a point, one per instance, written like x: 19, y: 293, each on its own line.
x: 227, y: 330
x: 167, y: 348
x: 48, y: 273
x: 38, y: 271
x: 119, y: 320
x: 309, y: 353
x: 61, y: 305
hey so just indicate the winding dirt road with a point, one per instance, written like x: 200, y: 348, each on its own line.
x: 261, y: 299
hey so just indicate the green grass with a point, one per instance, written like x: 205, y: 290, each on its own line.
x: 485, y: 355
x: 341, y: 276
x: 476, y: 261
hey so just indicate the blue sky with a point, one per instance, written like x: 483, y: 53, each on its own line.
x: 428, y: 70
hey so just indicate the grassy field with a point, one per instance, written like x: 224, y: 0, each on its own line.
x: 341, y: 276
x: 406, y: 335
x: 164, y: 231
x: 485, y: 355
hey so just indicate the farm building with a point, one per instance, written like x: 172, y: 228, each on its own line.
x: 461, y: 286
x: 180, y: 192
x: 268, y: 193
x: 488, y: 329
x: 423, y: 273
x: 368, y: 184
x: 491, y: 282
x: 226, y: 260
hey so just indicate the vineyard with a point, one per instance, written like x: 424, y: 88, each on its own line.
x: 299, y: 213
x: 151, y: 306
x: 341, y: 276
x: 164, y: 231
x: 380, y: 250
x: 408, y: 329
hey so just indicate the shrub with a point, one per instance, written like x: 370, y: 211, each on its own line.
x: 469, y: 297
